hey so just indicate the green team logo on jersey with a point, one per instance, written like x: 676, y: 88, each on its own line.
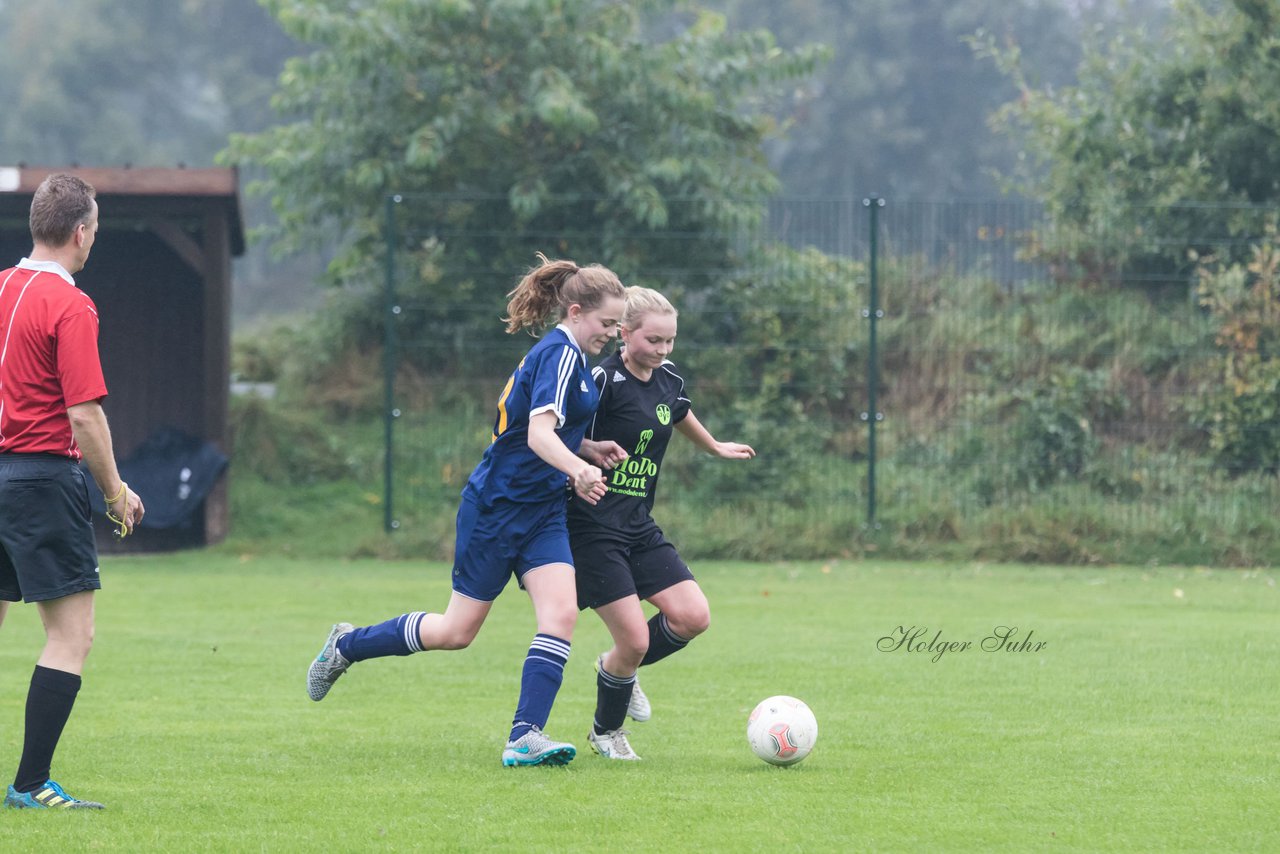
x: 633, y: 476
x: 664, y: 414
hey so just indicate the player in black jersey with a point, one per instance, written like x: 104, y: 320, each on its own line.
x: 620, y: 553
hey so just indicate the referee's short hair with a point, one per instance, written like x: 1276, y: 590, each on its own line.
x: 61, y: 203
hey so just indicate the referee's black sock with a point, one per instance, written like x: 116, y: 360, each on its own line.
x: 49, y: 702
x: 662, y: 641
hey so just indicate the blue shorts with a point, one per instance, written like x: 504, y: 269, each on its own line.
x: 506, y: 539
x: 47, y: 549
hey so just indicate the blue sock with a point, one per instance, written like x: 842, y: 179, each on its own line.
x: 539, y: 683
x: 398, y: 636
x: 662, y: 641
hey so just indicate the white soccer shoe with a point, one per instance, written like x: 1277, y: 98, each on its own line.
x: 329, y: 664
x: 638, y: 709
x: 612, y: 744
x: 534, y: 748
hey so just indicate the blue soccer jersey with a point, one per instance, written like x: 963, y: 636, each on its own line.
x: 553, y: 377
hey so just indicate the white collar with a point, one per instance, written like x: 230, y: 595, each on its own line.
x: 47, y: 267
x: 572, y: 341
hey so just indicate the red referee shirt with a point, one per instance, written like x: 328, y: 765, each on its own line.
x: 48, y: 357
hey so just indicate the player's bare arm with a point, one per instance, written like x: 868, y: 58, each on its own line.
x: 692, y: 429
x: 606, y: 454
x: 588, y: 481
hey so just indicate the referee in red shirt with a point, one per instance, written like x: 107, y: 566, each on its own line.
x: 51, y: 388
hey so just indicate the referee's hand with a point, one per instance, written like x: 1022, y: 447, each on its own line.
x: 126, y: 511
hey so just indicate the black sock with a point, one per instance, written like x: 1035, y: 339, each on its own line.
x: 49, y: 702
x: 662, y: 641
x: 613, y: 694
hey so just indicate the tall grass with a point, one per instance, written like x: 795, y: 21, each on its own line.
x: 1135, y: 505
x: 1038, y: 422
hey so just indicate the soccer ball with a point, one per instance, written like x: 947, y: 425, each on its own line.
x: 782, y: 730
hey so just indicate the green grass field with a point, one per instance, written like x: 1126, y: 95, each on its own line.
x: 1148, y: 720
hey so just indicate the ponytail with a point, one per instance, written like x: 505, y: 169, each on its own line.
x: 547, y: 290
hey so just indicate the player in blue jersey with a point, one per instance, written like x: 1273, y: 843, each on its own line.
x: 620, y: 553
x: 512, y: 517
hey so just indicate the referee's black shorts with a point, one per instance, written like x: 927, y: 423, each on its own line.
x: 47, y: 549
x: 608, y: 568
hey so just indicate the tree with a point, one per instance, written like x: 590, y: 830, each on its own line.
x: 148, y: 83
x: 514, y: 126
x: 901, y: 109
x: 1241, y: 411
x: 1164, y: 146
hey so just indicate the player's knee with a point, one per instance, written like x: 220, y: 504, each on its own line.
x: 703, y: 622
x: 456, y: 641
x: 689, y: 614
x: 458, y: 637
x: 690, y: 620
x: 558, y: 621
x: 632, y: 646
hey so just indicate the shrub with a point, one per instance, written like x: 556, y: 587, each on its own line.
x: 1242, y: 412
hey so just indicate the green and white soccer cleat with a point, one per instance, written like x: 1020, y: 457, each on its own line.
x: 329, y: 664
x: 534, y: 748
x: 612, y: 744
x: 48, y: 796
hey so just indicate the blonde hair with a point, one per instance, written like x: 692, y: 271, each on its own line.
x: 642, y: 302
x: 547, y: 291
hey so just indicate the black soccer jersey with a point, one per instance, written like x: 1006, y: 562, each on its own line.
x: 639, y: 416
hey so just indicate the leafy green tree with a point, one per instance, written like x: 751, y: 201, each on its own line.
x: 509, y: 127
x: 1165, y: 144
x: 1241, y: 412
x: 780, y: 366
x: 901, y: 110
x: 148, y: 83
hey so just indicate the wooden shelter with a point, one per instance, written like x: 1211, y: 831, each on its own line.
x: 160, y: 274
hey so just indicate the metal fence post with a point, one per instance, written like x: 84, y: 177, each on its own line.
x: 389, y: 357
x: 873, y: 314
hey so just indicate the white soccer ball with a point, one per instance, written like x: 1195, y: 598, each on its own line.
x: 782, y: 730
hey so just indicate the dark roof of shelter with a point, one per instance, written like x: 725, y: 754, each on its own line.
x: 131, y: 192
